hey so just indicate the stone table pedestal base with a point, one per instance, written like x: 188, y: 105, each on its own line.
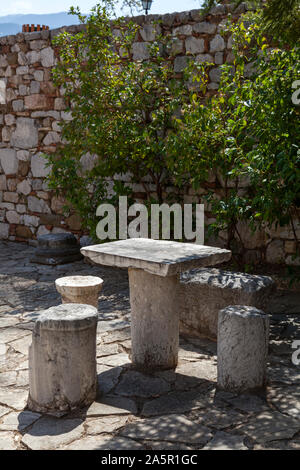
x: 62, y: 359
x: 154, y: 320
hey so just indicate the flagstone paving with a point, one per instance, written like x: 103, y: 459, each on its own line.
x: 169, y: 410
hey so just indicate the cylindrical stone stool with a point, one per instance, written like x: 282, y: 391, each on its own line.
x: 79, y: 289
x: 62, y: 358
x: 243, y: 338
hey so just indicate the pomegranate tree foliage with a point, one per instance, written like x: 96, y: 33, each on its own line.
x: 249, y: 135
x: 141, y: 118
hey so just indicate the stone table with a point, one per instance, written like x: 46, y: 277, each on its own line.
x: 154, y: 267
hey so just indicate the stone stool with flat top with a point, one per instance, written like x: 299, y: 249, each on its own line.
x: 62, y: 359
x: 79, y: 289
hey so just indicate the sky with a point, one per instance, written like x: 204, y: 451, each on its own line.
x: 14, y: 7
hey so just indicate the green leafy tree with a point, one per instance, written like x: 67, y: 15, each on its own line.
x: 123, y: 112
x: 249, y: 133
x: 280, y: 18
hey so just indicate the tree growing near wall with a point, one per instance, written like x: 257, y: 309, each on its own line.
x: 279, y: 18
x: 123, y: 112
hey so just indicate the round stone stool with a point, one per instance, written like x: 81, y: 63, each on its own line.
x: 243, y: 338
x: 57, y: 248
x: 62, y: 358
x: 79, y: 289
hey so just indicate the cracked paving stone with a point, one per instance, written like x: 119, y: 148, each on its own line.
x: 107, y: 350
x: 225, y: 441
x: 50, y: 433
x: 172, y: 428
x: 117, y: 336
x: 107, y: 378
x: 270, y: 426
x: 104, y: 443
x: 248, y: 403
x: 286, y: 400
x: 16, y: 399
x: 22, y: 378
x: 18, y: 421
x: 5, y: 322
x: 10, y: 334
x: 8, y: 441
x: 22, y: 345
x: 105, y: 424
x: 135, y: 383
x: 217, y: 419
x: 115, y: 360
x: 112, y: 406
x: 3, y: 411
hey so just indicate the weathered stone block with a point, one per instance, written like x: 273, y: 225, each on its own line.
x: 150, y: 31
x: 217, y: 44
x: 38, y: 205
x: 12, y: 217
x: 39, y: 166
x: 184, y: 30
x: 31, y: 220
x: 35, y: 87
x: 33, y: 57
x: 4, y: 231
x: 215, y: 75
x: 180, y: 63
x: 51, y: 138
x: 205, y: 58
x: 38, y: 75
x: 57, y: 248
x: 18, y: 105
x: 38, y: 101
x: 23, y: 155
x: 22, y: 70
x: 24, y: 187
x: 3, y: 185
x: 23, y: 232
x: 204, y: 28
x: 26, y: 134
x: 47, y: 57
x: 140, y: 51
x: 203, y: 292
x: 194, y: 45
x: 11, y: 197
x: 9, y: 119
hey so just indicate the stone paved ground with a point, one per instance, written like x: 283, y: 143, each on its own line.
x: 166, y: 410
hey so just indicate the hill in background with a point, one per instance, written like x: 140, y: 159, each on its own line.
x: 12, y: 24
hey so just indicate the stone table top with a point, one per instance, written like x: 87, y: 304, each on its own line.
x: 160, y: 257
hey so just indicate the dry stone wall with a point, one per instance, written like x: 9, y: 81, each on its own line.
x: 31, y: 109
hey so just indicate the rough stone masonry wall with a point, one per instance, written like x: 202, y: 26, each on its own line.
x: 33, y: 107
